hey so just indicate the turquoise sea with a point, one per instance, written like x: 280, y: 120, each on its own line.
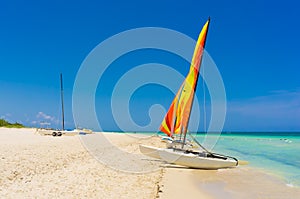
x: 276, y: 153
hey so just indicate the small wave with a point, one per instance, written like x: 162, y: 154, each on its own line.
x: 293, y: 181
x: 290, y: 185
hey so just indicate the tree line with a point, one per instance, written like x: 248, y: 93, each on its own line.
x: 4, y: 123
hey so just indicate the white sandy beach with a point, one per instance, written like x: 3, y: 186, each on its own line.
x: 35, y: 166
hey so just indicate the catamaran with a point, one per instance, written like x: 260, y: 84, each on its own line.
x: 180, y: 151
x: 60, y: 132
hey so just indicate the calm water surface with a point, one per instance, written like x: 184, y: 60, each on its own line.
x: 276, y: 153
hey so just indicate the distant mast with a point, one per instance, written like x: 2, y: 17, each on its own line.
x: 62, y: 102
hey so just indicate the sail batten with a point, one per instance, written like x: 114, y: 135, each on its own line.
x: 177, y: 118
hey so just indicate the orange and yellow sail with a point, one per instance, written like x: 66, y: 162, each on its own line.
x: 177, y: 117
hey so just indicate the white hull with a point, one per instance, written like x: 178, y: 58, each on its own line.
x: 187, y: 159
x: 150, y: 151
x: 60, y: 132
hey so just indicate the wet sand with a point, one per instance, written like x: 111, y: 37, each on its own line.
x: 241, y: 182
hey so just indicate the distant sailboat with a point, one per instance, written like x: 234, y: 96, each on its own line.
x: 59, y: 133
x: 62, y: 131
x: 177, y: 119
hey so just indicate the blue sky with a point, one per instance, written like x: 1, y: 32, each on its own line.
x: 255, y: 45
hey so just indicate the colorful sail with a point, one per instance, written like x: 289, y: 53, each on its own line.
x: 177, y: 117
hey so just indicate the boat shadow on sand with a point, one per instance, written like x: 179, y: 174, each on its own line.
x: 165, y: 164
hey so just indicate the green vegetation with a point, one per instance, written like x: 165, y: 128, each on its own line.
x: 4, y: 123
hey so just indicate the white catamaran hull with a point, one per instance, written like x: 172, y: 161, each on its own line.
x: 54, y: 132
x: 187, y: 159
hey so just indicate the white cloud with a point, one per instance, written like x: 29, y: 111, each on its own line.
x: 34, y: 122
x: 45, y: 116
x: 8, y: 114
x: 6, y: 117
x: 45, y: 119
x: 278, y: 111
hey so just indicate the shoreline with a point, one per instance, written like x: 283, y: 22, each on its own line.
x: 36, y: 166
x: 235, y: 183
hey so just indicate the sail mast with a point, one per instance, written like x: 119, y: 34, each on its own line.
x: 195, y: 68
x: 177, y: 118
x: 62, y: 102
